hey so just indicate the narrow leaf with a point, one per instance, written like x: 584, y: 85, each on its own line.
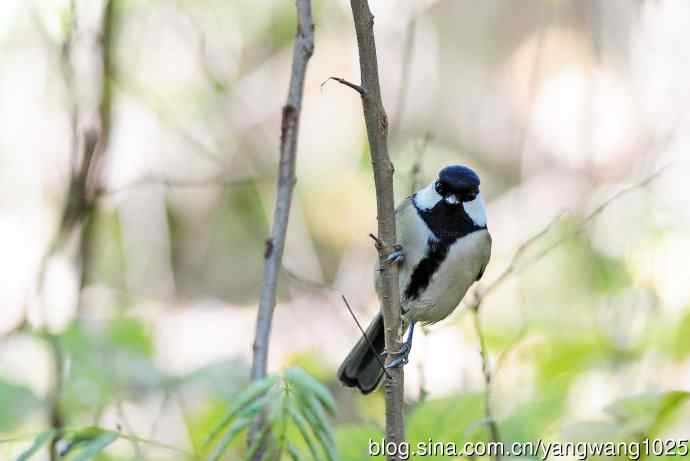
x: 313, y: 412
x: 238, y: 426
x: 40, y: 440
x: 81, y: 437
x: 305, y: 381
x: 255, y: 390
x: 95, y: 446
x: 258, y: 441
x: 294, y: 453
x: 303, y: 428
x: 316, y: 416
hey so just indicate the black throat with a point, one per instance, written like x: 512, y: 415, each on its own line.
x: 448, y: 223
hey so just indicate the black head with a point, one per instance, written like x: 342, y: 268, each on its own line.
x: 457, y: 184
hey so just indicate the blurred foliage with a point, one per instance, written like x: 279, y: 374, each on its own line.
x: 16, y: 402
x: 80, y: 445
x: 584, y: 309
x: 633, y: 420
x: 125, y: 345
x: 294, y: 404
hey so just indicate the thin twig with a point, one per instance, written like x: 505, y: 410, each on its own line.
x: 359, y: 325
x: 377, y: 243
x: 181, y: 403
x: 302, y: 51
x: 362, y: 92
x: 119, y: 407
x: 513, y: 265
x: 480, y: 295
x: 57, y: 418
x: 148, y: 181
x: 377, y: 132
x: 486, y: 370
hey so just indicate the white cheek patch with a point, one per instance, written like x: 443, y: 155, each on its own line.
x: 476, y: 211
x: 427, y: 198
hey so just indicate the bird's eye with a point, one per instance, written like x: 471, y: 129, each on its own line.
x: 440, y: 188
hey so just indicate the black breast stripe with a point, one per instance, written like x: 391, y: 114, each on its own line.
x: 448, y: 223
x: 425, y: 269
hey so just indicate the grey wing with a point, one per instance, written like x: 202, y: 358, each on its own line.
x: 404, y: 228
x: 487, y: 256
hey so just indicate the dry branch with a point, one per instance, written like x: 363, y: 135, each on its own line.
x: 377, y: 131
x: 302, y: 51
x: 86, y: 63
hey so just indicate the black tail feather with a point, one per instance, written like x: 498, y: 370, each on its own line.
x: 362, y: 368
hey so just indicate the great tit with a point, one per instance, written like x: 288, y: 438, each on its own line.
x: 444, y: 247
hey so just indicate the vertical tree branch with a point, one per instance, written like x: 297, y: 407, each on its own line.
x: 302, y: 51
x: 377, y: 131
x: 486, y: 371
x: 86, y: 62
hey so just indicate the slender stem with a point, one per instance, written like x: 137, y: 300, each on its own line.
x: 486, y: 370
x: 377, y: 131
x: 302, y: 51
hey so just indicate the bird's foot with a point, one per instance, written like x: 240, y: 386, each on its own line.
x: 396, y: 255
x: 401, y: 357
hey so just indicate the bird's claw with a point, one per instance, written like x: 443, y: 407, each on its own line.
x: 396, y: 255
x: 400, y: 358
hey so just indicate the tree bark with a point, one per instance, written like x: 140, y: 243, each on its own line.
x: 377, y: 131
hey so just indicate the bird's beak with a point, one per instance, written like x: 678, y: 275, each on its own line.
x: 451, y: 199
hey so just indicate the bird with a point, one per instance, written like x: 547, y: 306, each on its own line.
x: 443, y: 248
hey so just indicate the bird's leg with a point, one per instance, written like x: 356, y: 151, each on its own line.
x: 396, y: 255
x: 400, y: 358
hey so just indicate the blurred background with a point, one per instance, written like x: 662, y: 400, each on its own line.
x: 141, y: 317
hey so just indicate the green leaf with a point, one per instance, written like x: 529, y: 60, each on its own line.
x: 303, y: 428
x: 97, y: 445
x: 294, y: 453
x: 306, y: 382
x: 646, y: 413
x: 238, y: 426
x: 313, y: 412
x: 258, y: 441
x: 16, y: 402
x: 130, y: 334
x: 450, y: 419
x: 244, y: 398
x: 680, y: 344
x: 40, y: 440
x: 83, y: 436
x: 591, y: 431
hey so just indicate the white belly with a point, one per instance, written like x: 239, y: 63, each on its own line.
x: 450, y: 282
